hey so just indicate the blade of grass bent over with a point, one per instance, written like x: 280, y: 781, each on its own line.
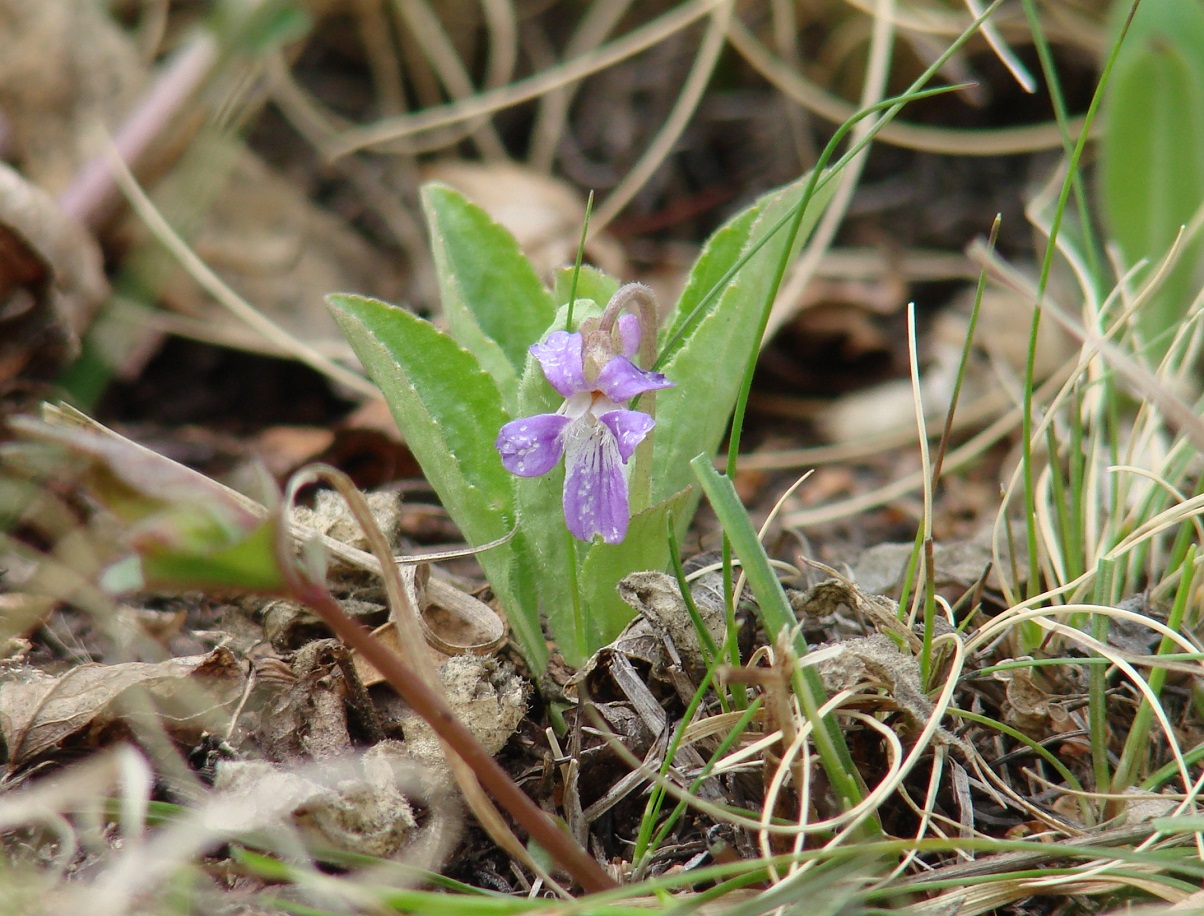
x: 777, y: 617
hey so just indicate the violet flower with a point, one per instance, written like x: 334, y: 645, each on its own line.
x: 594, y: 432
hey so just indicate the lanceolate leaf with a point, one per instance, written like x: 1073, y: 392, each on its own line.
x: 493, y: 301
x: 447, y: 409
x: 1152, y: 159
x: 708, y: 364
x: 721, y: 251
x: 449, y: 412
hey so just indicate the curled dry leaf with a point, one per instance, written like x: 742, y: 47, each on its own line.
x: 657, y: 597
x: 51, y: 279
x: 840, y: 596
x: 451, y: 620
x: 877, y: 660
x: 191, y: 694
x: 1031, y: 707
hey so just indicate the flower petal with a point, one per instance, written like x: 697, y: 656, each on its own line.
x: 629, y: 428
x: 595, y: 489
x: 531, y: 446
x: 621, y: 380
x: 559, y: 356
x: 629, y: 334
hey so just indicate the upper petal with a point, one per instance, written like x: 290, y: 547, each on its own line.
x: 531, y: 446
x: 629, y: 334
x: 629, y: 428
x: 621, y: 380
x: 559, y: 356
x: 595, y: 489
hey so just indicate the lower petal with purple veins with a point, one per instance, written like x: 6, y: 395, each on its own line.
x: 531, y: 446
x: 629, y: 428
x: 595, y: 488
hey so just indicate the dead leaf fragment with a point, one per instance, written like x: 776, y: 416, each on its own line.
x: 657, y: 596
x: 51, y: 279
x: 38, y: 713
x: 1030, y: 707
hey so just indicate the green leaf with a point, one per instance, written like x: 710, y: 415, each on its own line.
x: 493, y: 301
x: 645, y: 547
x: 707, y: 277
x: 250, y: 564
x: 1152, y: 168
x: 449, y: 412
x: 708, y: 363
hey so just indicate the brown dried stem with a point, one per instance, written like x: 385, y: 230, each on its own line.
x: 426, y: 702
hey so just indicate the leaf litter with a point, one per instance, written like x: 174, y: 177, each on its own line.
x: 299, y: 736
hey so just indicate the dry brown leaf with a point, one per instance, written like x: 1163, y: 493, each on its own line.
x: 657, y: 597
x: 51, y: 279
x: 1030, y: 707
x: 38, y: 713
x: 65, y: 67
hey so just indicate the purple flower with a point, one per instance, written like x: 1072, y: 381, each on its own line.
x: 596, y: 435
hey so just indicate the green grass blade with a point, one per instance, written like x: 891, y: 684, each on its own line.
x: 778, y: 619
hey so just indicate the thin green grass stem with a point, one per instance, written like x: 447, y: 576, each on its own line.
x: 731, y: 646
x: 929, y: 610
x: 1086, y: 223
x: 1037, y: 748
x: 589, y: 209
x: 1097, y: 684
x: 656, y: 796
x: 1073, y: 549
x: 909, y: 572
x: 1169, y: 771
x: 724, y: 746
x: 709, y: 649
x: 1061, y: 504
x: 1034, y: 576
x: 778, y: 620
x: 1137, y: 745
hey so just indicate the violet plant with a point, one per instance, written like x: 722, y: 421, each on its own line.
x: 592, y: 370
x: 519, y: 380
